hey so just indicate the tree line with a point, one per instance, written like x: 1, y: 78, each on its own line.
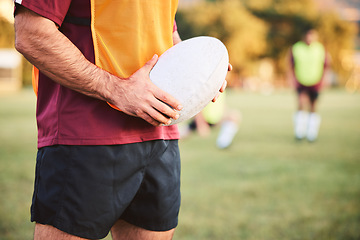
x: 266, y: 29
x: 253, y: 30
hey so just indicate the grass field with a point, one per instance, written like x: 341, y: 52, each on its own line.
x: 265, y: 186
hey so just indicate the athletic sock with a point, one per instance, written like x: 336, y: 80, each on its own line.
x: 313, y: 127
x: 300, y: 124
x: 227, y: 133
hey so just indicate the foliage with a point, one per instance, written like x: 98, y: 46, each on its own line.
x: 242, y: 33
x: 27, y: 72
x: 338, y: 38
x: 252, y: 29
x: 6, y: 34
x: 290, y: 19
x: 7, y: 40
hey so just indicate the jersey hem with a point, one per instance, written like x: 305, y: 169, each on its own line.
x: 110, y: 141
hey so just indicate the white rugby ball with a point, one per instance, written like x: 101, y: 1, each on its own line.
x: 192, y: 71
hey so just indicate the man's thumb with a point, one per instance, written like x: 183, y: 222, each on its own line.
x: 151, y: 63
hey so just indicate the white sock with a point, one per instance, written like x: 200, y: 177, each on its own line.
x: 300, y: 124
x: 226, y: 135
x: 313, y: 126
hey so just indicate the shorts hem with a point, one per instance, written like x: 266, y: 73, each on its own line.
x: 151, y: 226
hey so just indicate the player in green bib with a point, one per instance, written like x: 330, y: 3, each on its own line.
x: 309, y: 62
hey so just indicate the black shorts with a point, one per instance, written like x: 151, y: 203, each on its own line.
x: 312, y: 91
x: 84, y: 190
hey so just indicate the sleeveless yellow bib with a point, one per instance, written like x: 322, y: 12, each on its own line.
x: 127, y: 33
x: 309, y: 62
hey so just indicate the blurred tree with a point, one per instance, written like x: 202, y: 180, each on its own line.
x: 286, y: 19
x: 289, y: 19
x: 243, y: 34
x: 339, y: 38
x: 6, y: 34
x: 7, y: 40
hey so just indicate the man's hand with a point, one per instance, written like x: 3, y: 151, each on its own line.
x: 222, y: 89
x: 139, y: 97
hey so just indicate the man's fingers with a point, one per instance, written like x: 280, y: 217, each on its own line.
x: 223, y: 86
x: 150, y: 115
x: 168, y: 99
x: 166, y: 111
x: 151, y: 120
x: 154, y: 112
x: 156, y: 118
x: 216, y: 97
x: 167, y: 104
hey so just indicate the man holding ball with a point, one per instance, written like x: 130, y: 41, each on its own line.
x: 100, y: 169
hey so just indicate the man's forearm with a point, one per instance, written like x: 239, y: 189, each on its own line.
x: 39, y: 40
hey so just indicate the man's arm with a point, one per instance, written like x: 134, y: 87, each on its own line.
x: 324, y: 81
x: 291, y: 70
x: 40, y: 41
x: 176, y: 38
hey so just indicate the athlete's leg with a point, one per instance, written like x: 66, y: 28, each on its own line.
x: 303, y: 100
x: 125, y: 231
x: 314, y: 125
x: 301, y: 116
x: 300, y: 124
x: 47, y: 232
x: 314, y: 118
x: 227, y: 133
x: 202, y: 126
x: 313, y: 104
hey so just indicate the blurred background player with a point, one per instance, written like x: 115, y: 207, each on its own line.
x: 214, y: 114
x: 309, y: 62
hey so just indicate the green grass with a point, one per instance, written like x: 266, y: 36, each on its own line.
x: 265, y: 186
x: 17, y: 158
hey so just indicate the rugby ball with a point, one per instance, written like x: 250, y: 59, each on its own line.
x: 192, y: 71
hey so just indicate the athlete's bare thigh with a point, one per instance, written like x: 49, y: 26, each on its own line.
x: 125, y: 231
x: 120, y: 231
